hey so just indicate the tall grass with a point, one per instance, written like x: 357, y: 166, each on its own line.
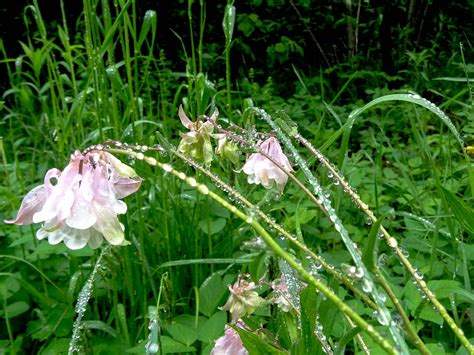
x: 377, y: 249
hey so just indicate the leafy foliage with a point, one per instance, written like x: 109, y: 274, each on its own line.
x: 123, y: 79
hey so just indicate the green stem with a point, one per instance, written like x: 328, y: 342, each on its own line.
x: 304, y: 274
x: 392, y: 242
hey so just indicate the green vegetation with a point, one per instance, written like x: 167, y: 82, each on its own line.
x: 367, y: 248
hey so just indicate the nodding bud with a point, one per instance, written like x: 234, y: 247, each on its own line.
x: 261, y: 170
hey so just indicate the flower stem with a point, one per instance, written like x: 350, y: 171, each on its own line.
x: 304, y: 274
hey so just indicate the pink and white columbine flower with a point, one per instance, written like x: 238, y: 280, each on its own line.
x: 230, y: 343
x: 243, y: 300
x: 196, y: 143
x: 261, y: 170
x: 80, y: 205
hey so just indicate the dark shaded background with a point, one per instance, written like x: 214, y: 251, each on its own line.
x: 387, y: 30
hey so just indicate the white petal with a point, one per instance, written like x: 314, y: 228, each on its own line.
x: 96, y: 239
x: 76, y: 239
x: 120, y: 207
x: 109, y: 225
x: 82, y: 215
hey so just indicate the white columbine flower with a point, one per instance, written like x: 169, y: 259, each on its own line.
x: 261, y: 170
x: 79, y: 206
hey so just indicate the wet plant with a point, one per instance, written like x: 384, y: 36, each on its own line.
x: 203, y: 213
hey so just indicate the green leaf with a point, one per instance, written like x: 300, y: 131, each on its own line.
x: 229, y: 22
x: 369, y: 252
x: 463, y: 213
x: 447, y: 288
x: 99, y: 325
x: 212, y: 227
x: 57, y: 346
x: 210, y: 294
x: 341, y: 345
x: 255, y: 345
x: 309, y: 307
x: 258, y: 266
x: 14, y: 309
x: 171, y: 346
x: 213, y: 328
x: 148, y: 21
x: 184, y: 328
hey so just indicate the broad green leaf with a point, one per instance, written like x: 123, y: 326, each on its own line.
x: 341, y: 344
x: 212, y: 227
x: 258, y: 266
x: 255, y: 345
x: 171, y: 346
x: 447, y: 288
x: 213, y: 328
x: 184, y: 328
x: 210, y: 294
x: 14, y: 309
x: 57, y: 346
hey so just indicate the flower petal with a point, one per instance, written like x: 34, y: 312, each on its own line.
x: 32, y: 203
x: 82, y: 215
x: 184, y: 119
x: 96, y: 239
x: 125, y: 186
x: 75, y: 238
x: 109, y: 225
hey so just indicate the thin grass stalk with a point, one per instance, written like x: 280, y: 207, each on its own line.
x: 359, y: 338
x: 304, y: 274
x: 191, y: 37
x: 392, y: 243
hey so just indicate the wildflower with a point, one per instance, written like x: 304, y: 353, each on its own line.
x: 79, y: 206
x: 261, y: 170
x: 243, y: 300
x: 227, y: 149
x: 230, y: 343
x: 197, y: 142
x: 281, y: 295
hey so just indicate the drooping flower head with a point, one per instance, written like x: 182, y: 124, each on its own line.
x: 261, y: 170
x: 196, y: 143
x: 230, y: 343
x: 80, y: 204
x: 243, y: 299
x: 281, y: 295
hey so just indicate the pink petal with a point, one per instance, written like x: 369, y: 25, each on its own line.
x: 32, y: 203
x: 184, y: 119
x: 125, y: 186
